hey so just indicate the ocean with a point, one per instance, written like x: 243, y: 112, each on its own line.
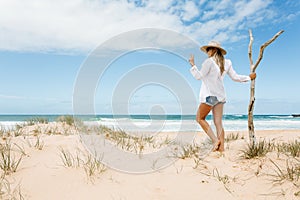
x: 167, y: 123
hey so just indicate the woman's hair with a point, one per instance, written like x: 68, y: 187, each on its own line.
x: 219, y: 58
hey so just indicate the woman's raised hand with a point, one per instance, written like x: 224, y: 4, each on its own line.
x: 252, y: 76
x: 191, y: 60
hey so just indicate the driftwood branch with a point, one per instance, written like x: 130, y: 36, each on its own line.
x: 252, y: 86
x: 262, y: 48
x: 250, y: 49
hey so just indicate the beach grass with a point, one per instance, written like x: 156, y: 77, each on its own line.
x: 38, y: 143
x: 2, y: 132
x: 224, y: 179
x: 30, y: 122
x: 7, y: 132
x: 36, y: 120
x: 259, y: 149
x: 93, y: 166
x: 232, y: 136
x: 291, y: 172
x: 90, y: 163
x: 9, y: 161
x: 68, y: 119
x: 291, y: 148
x: 6, y: 192
x: 68, y: 159
x: 131, y: 142
x: 65, y: 125
x: 188, y: 151
x: 21, y: 149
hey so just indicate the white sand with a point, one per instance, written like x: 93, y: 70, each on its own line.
x: 41, y: 174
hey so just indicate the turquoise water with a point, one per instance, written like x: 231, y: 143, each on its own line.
x: 147, y: 117
x: 168, y: 122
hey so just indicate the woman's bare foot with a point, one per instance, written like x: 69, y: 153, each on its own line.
x: 221, y: 150
x: 216, y: 145
x: 221, y: 146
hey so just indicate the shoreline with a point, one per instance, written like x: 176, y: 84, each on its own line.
x: 164, y: 123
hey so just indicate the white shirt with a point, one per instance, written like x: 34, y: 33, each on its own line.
x: 212, y: 80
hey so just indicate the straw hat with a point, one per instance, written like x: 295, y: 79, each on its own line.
x: 213, y: 44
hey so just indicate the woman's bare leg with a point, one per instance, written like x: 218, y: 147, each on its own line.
x: 218, y: 114
x: 202, y: 112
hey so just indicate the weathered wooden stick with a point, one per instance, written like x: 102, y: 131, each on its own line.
x: 252, y: 86
x: 262, y: 48
x: 250, y: 49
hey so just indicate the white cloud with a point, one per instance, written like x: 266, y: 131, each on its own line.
x: 80, y: 25
x: 2, y: 96
x: 190, y: 11
x: 251, y: 7
x: 217, y: 8
x: 14, y: 97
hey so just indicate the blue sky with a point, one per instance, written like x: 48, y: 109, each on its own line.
x: 44, y: 44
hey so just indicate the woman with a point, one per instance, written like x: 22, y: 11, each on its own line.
x: 212, y: 92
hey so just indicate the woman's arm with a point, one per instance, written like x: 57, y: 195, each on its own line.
x: 198, y: 74
x: 239, y: 78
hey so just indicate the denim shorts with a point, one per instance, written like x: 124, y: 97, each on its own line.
x: 212, y: 101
